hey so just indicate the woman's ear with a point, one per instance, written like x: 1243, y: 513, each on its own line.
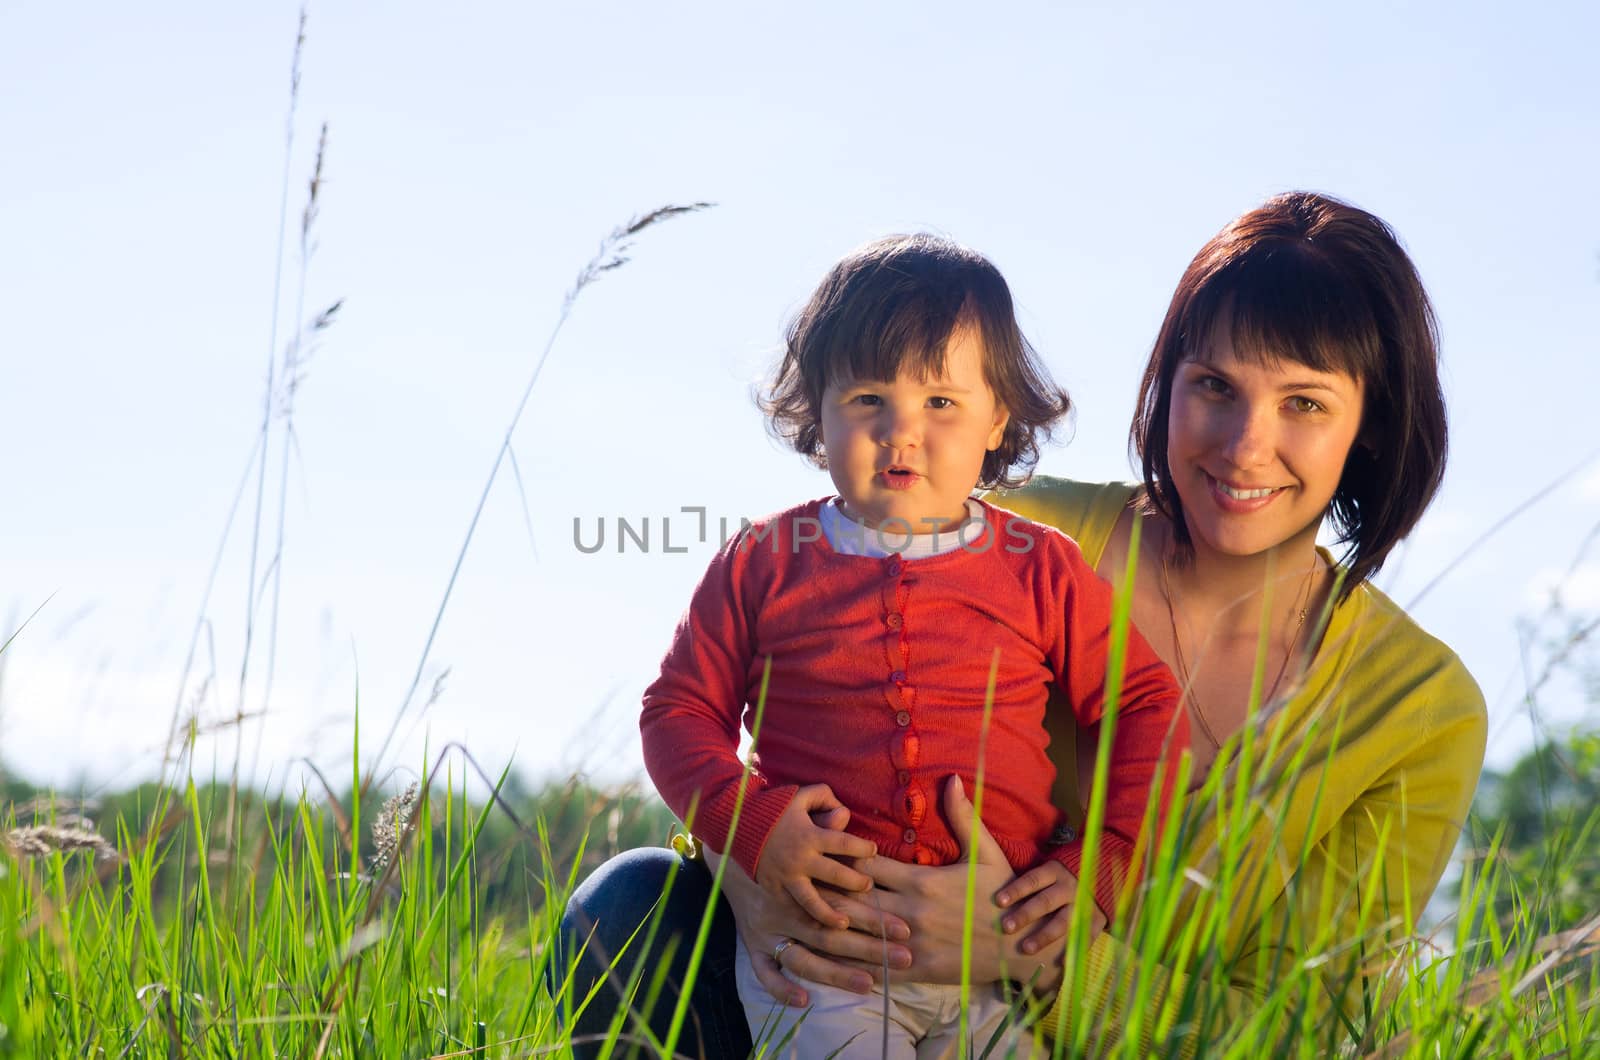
x: 1369, y: 435
x: 1367, y: 439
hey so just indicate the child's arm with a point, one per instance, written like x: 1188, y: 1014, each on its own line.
x: 690, y: 729
x: 1151, y: 728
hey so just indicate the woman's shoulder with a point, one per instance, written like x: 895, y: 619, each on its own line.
x: 1391, y: 662
x: 1087, y: 512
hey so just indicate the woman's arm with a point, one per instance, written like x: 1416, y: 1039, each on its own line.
x: 1328, y: 912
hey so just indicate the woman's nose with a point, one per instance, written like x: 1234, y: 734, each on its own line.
x: 1249, y: 437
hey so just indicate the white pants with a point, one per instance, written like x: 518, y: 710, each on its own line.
x: 924, y: 1021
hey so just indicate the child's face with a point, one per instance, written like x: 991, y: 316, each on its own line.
x: 912, y: 450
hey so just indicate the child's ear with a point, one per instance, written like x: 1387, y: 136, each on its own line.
x: 1002, y: 417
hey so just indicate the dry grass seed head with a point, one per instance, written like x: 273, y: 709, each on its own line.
x: 390, y: 827
x: 40, y: 841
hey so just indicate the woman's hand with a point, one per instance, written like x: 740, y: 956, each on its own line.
x: 932, y: 901
x: 849, y: 959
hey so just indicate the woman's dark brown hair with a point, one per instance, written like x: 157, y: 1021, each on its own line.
x: 894, y: 304
x: 1309, y: 279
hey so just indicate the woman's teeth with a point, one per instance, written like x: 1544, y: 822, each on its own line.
x: 1245, y: 495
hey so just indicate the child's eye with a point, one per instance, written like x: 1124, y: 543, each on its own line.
x: 940, y: 403
x: 871, y: 400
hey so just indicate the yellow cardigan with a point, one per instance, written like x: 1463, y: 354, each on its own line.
x: 1380, y: 744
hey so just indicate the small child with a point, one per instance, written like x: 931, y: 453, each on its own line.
x: 881, y: 612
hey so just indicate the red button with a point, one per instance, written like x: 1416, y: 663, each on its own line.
x: 909, y: 835
x: 898, y: 677
x: 905, y: 749
x: 894, y: 568
x: 894, y: 620
x: 903, y: 776
x: 903, y: 718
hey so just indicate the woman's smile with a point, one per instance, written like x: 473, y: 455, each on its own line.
x: 1242, y: 498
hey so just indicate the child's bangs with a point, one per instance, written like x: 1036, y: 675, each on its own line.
x: 910, y: 336
x: 1283, y: 304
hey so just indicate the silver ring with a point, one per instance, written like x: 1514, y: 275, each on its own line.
x: 777, y: 951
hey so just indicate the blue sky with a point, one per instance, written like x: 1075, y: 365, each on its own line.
x: 476, y: 156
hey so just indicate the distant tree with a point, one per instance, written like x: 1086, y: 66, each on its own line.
x: 1546, y: 809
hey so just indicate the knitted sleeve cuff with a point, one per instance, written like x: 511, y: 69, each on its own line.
x: 1111, y: 866
x: 760, y: 812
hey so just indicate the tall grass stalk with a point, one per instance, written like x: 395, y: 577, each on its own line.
x: 969, y: 896
x: 681, y: 1010
x: 270, y: 396
x: 612, y: 255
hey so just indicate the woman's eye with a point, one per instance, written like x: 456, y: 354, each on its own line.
x: 1304, y: 404
x: 1212, y: 385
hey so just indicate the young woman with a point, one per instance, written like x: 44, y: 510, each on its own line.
x: 1295, y: 379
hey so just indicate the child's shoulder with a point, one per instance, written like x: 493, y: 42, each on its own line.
x: 1029, y: 541
x: 781, y: 533
x: 783, y: 521
x: 1015, y: 525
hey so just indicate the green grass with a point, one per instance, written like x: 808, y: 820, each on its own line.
x: 268, y: 936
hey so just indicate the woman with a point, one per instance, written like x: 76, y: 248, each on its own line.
x: 1294, y: 378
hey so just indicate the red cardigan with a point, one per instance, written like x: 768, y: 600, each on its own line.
x: 880, y: 668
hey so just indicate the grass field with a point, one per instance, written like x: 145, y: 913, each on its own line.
x: 196, y: 918
x: 218, y: 924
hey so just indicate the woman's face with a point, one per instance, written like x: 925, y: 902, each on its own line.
x: 1256, y: 450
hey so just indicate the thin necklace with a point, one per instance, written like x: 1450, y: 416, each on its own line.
x: 1183, y: 664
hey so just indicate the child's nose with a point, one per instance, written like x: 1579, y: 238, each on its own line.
x: 900, y: 428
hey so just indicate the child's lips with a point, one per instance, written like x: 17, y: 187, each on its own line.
x: 899, y: 478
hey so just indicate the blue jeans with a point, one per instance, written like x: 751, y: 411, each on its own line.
x: 605, y: 911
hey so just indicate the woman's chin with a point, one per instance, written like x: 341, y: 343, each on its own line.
x: 1244, y: 538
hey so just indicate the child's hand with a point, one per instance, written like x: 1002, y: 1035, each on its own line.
x: 795, y: 858
x: 1050, y: 889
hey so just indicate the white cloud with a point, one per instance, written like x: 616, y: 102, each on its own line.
x: 1579, y: 588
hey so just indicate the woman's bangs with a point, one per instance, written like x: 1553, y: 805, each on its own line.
x: 1293, y: 307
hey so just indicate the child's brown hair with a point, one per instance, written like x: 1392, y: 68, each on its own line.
x: 893, y: 304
